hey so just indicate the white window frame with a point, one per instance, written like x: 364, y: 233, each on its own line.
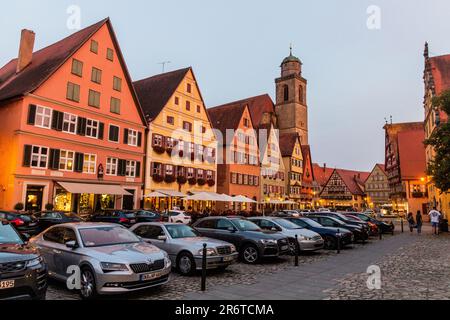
x: 40, y: 157
x: 112, y: 165
x: 90, y: 164
x: 133, y: 137
x: 70, y: 122
x: 42, y: 116
x: 130, y: 171
x: 63, y: 160
x: 95, y: 125
x: 169, y: 170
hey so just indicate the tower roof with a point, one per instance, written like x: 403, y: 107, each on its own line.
x: 291, y: 58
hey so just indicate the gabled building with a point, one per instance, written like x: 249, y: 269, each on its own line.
x: 291, y: 150
x: 310, y: 190
x: 238, y: 168
x: 72, y: 132
x: 406, y: 166
x: 181, y: 145
x: 345, y: 190
x: 437, y: 80
x: 377, y: 187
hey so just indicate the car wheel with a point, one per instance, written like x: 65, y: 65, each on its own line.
x: 330, y: 243
x: 88, y: 287
x: 179, y: 221
x: 186, y: 264
x: 250, y: 254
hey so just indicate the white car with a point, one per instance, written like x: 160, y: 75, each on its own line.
x: 324, y: 210
x: 179, y: 216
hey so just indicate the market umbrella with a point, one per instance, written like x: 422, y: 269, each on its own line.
x: 156, y: 195
x: 243, y: 199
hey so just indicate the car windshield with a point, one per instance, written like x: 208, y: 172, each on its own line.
x: 364, y: 217
x: 287, y: 224
x: 181, y: 231
x: 72, y: 216
x: 245, y: 225
x: 107, y: 236
x: 312, y: 223
x: 8, y: 235
x: 130, y: 215
x: 146, y: 213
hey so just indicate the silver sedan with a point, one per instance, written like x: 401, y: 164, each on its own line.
x: 185, y: 246
x: 110, y: 259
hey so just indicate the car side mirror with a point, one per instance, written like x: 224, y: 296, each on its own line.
x: 72, y: 244
x: 162, y: 238
x: 231, y: 229
x: 26, y: 237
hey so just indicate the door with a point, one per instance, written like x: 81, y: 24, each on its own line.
x: 68, y: 257
x: 50, y: 247
x: 128, y: 200
x: 226, y: 231
x: 34, y: 198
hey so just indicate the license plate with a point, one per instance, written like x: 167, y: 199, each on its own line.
x: 284, y: 248
x: 227, y: 259
x: 151, y: 276
x: 132, y: 221
x: 7, y: 284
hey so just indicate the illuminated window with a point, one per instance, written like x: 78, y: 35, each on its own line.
x: 66, y: 160
x: 90, y: 161
x: 39, y: 157
x: 69, y: 123
x: 111, y: 166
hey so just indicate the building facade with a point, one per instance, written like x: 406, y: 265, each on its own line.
x: 72, y: 127
x: 291, y: 150
x: 437, y: 80
x: 377, y: 188
x: 181, y: 145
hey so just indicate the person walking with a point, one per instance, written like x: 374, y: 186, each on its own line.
x: 435, y: 217
x: 411, y: 222
x: 419, y: 222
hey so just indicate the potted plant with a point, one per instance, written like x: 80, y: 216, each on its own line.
x: 201, y: 182
x: 157, y: 178
x: 181, y: 180
x: 192, y: 181
x: 159, y: 149
x: 211, y: 183
x: 169, y: 179
x: 49, y: 207
x: 19, y: 206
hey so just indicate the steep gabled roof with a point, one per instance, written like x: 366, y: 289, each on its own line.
x: 412, y: 154
x: 440, y: 69
x: 306, y: 152
x: 43, y: 64
x: 155, y: 92
x: 226, y: 117
x: 287, y: 143
x: 354, y: 180
x: 322, y: 174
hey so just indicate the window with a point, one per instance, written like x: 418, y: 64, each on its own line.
x: 96, y: 75
x: 39, y: 157
x: 115, y: 105
x: 199, y: 109
x: 156, y: 168
x: 132, y: 138
x: 157, y: 140
x: 209, y: 175
x: 234, y: 178
x: 43, y: 117
x: 177, y: 101
x: 94, y: 46
x: 73, y: 92
x: 69, y: 123
x: 92, y: 128
x: 131, y: 169
x: 94, y: 98
x: 89, y: 164
x: 240, y: 179
x: 169, y: 170
x: 200, y: 173
x: 110, y: 54
x: 66, y: 160
x: 187, y: 126
x: 246, y: 123
x: 114, y: 133
x: 117, y: 84
x: 77, y: 67
x: 301, y: 94
x: 245, y: 179
x: 190, y: 173
x: 111, y: 166
x: 286, y: 92
x: 170, y: 120
x: 189, y: 88
x: 188, y: 106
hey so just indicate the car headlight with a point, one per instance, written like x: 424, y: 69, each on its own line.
x: 209, y: 252
x: 268, y: 241
x: 110, y: 267
x: 35, y: 262
x: 233, y: 249
x: 167, y: 262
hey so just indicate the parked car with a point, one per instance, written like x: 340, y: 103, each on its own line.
x: 384, y: 226
x: 22, y: 222
x: 287, y: 213
x: 347, y: 219
x: 147, y: 216
x: 308, y: 240
x: 122, y: 217
x: 177, y: 216
x: 324, y: 210
x: 185, y: 246
x: 252, y: 243
x: 329, y: 234
x: 46, y: 219
x: 327, y: 221
x: 372, y: 227
x: 23, y: 273
x: 111, y: 258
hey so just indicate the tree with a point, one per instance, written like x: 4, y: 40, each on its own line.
x: 439, y: 168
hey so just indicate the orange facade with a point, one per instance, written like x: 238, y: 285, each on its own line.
x: 90, y: 135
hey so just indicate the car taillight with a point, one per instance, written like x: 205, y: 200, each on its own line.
x: 124, y: 220
x: 18, y: 222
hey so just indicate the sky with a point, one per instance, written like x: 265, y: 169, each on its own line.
x: 357, y: 76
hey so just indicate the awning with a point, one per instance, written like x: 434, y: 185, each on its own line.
x: 201, y: 196
x: 171, y: 193
x: 86, y: 188
x: 242, y: 199
x: 156, y: 195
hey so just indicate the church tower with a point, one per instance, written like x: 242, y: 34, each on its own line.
x: 291, y: 107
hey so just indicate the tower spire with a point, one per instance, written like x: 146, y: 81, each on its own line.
x: 426, y: 51
x: 290, y: 49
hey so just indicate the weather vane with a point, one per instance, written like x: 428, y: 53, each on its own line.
x: 164, y: 65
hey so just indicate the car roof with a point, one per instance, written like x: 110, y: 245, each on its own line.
x: 87, y: 225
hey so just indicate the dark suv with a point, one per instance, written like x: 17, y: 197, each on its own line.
x: 22, y: 222
x: 251, y: 242
x: 23, y: 274
x: 122, y: 217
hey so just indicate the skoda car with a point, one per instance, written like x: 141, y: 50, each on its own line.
x: 111, y: 259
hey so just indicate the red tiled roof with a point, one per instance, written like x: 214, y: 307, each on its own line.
x: 44, y: 63
x: 306, y: 152
x: 155, y: 92
x: 412, y: 154
x: 440, y: 69
x: 354, y: 180
x: 226, y: 117
x: 287, y: 143
x: 382, y: 167
x: 321, y: 174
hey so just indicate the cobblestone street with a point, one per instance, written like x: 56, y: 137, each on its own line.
x: 412, y: 267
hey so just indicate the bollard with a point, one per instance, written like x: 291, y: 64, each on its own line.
x: 338, y: 241
x: 393, y: 228
x: 297, y: 250
x: 204, y: 268
x: 380, y: 232
x: 401, y: 221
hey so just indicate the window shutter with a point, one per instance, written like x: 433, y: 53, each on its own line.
x: 57, y: 120
x: 81, y: 127
x: 27, y: 156
x: 163, y: 170
x: 79, y: 162
x: 122, y: 167
x: 31, y: 114
x: 101, y: 130
x: 138, y: 169
x: 59, y: 126
x: 139, y: 139
x: 125, y: 136
x: 54, y: 159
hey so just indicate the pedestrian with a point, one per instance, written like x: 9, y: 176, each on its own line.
x: 419, y: 222
x: 435, y: 218
x: 411, y: 222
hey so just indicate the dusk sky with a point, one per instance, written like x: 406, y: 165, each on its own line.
x: 357, y: 77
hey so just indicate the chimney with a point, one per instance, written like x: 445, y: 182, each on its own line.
x: 25, y: 49
x: 324, y: 167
